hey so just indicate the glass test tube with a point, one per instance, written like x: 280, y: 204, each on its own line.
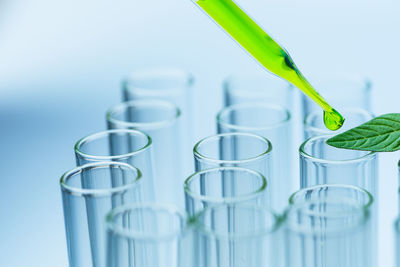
x: 88, y: 193
x: 263, y: 88
x: 121, y: 145
x: 238, y: 235
x: 173, y: 85
x: 161, y: 121
x: 148, y: 235
x: 231, y: 185
x: 321, y: 163
x: 335, y: 86
x: 329, y: 225
x: 272, y: 122
x: 314, y: 122
x: 244, y: 150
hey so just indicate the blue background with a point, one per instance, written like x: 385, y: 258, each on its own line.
x: 61, y: 63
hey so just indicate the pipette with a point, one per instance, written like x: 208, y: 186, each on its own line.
x: 236, y: 23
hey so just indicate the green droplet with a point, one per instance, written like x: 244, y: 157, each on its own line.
x: 333, y: 120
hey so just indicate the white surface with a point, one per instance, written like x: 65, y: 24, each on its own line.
x: 60, y: 65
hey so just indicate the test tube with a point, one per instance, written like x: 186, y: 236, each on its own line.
x: 229, y: 235
x: 314, y: 122
x: 274, y: 123
x: 321, y: 163
x: 329, y: 225
x: 342, y: 91
x: 148, y: 235
x: 171, y: 84
x: 232, y: 185
x: 263, y: 88
x: 121, y: 145
x: 160, y: 120
x: 244, y: 150
x: 88, y: 193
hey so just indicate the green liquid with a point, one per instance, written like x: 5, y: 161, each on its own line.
x: 266, y: 51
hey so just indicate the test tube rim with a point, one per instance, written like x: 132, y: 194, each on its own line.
x: 347, y: 186
x: 186, y: 77
x: 94, y: 136
x: 368, y: 156
x: 143, y: 125
x: 218, y: 200
x: 243, y: 128
x: 278, y: 222
x: 364, y: 210
x: 129, y: 234
x: 229, y: 81
x: 76, y: 191
x: 200, y: 156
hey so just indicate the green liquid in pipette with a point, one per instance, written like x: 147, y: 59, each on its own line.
x: 266, y: 51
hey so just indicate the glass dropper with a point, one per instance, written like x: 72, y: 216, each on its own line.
x: 249, y: 35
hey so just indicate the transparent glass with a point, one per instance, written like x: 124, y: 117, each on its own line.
x: 321, y: 163
x: 263, y: 88
x: 170, y: 84
x: 174, y: 85
x: 121, y: 145
x: 244, y: 150
x: 161, y: 121
x: 329, y: 225
x: 232, y: 185
x: 229, y: 235
x: 314, y: 122
x: 272, y: 122
x: 341, y: 91
x: 148, y: 235
x: 88, y: 193
x: 397, y: 241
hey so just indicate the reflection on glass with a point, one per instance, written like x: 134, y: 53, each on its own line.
x: 173, y: 85
x: 321, y: 163
x: 272, y: 122
x: 229, y: 235
x: 261, y: 88
x: 329, y: 225
x: 88, y: 193
x: 232, y: 185
x: 161, y: 121
x: 148, y: 235
x: 129, y: 146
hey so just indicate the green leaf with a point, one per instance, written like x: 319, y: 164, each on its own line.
x: 381, y: 134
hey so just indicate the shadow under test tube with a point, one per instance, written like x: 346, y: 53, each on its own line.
x: 272, y: 122
x: 229, y: 235
x: 231, y: 185
x: 244, y: 150
x: 121, y: 145
x: 88, y: 193
x: 161, y: 121
x: 314, y: 122
x: 263, y: 88
x: 148, y: 235
x: 169, y: 84
x: 329, y: 225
